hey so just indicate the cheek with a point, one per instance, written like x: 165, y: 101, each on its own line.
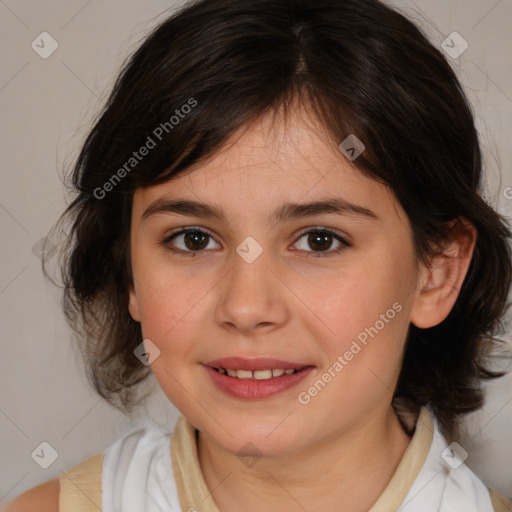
x: 362, y: 347
x: 352, y: 302
x: 363, y: 317
x: 168, y: 304
x: 168, y: 312
x: 171, y: 315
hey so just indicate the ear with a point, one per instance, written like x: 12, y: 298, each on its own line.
x: 442, y: 280
x: 133, y: 304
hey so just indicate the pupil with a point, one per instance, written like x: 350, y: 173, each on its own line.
x: 319, y: 239
x: 195, y: 238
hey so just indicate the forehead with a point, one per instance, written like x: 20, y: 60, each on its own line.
x: 271, y: 162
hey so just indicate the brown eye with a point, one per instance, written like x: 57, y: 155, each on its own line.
x: 320, y: 241
x: 195, y: 240
x: 189, y: 242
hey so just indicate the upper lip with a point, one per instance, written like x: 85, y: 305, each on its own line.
x: 261, y: 363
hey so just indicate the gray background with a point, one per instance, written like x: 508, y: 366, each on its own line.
x: 47, y: 107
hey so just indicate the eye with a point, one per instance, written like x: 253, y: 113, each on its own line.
x: 321, y: 240
x: 189, y: 241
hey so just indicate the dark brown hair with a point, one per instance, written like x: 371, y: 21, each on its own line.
x: 362, y: 68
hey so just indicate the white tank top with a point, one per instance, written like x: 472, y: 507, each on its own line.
x: 137, y: 473
x: 138, y: 476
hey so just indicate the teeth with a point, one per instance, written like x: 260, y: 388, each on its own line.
x: 262, y: 374
x: 244, y: 374
x: 257, y: 374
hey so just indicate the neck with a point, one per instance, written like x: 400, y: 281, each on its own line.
x: 360, y: 460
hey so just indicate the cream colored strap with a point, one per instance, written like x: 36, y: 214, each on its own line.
x: 499, y: 502
x: 80, y: 486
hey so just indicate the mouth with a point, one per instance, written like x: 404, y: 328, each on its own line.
x: 255, y: 378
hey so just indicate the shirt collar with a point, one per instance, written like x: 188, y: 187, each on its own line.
x: 193, y: 493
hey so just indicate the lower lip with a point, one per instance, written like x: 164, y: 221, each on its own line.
x: 256, y: 389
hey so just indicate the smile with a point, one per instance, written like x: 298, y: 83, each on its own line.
x: 255, y: 379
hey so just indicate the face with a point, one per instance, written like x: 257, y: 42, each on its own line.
x: 328, y: 293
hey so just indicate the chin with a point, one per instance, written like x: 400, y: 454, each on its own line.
x: 261, y: 441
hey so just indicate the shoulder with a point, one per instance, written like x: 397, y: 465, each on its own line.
x: 76, y: 488
x: 500, y: 503
x: 42, y: 498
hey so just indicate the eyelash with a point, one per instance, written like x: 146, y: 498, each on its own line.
x: 317, y: 254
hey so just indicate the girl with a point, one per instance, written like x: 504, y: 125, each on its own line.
x: 278, y: 215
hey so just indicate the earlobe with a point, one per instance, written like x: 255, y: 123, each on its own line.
x: 133, y: 305
x: 442, y: 280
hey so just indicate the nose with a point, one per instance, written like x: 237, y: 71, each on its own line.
x: 253, y: 299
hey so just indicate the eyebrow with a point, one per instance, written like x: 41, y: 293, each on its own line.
x: 284, y: 212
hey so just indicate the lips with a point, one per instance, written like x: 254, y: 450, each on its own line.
x: 250, y: 378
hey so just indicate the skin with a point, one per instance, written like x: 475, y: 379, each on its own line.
x: 287, y: 304
x: 43, y: 498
